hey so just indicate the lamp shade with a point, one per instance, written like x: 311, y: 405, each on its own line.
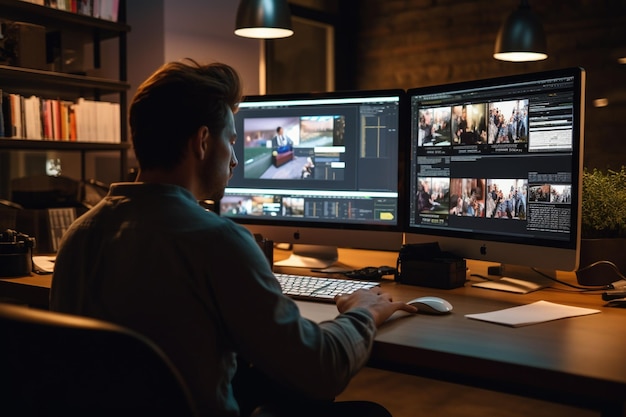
x: 521, y: 37
x: 264, y: 19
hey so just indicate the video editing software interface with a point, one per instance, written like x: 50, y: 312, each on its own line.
x: 497, y: 159
x: 327, y: 158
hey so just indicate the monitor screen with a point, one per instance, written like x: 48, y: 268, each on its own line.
x: 495, y: 168
x: 319, y: 169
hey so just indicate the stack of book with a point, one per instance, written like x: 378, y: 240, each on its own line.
x: 101, y: 9
x: 37, y: 118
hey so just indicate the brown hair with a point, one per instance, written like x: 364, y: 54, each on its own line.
x: 174, y: 102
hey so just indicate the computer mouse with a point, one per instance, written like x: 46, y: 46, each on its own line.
x: 431, y: 305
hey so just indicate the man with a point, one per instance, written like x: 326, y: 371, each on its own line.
x: 150, y: 258
x: 426, y: 128
x: 281, y: 140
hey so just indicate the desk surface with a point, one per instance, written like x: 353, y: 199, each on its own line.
x: 579, y: 361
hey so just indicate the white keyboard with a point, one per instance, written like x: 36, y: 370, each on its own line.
x: 320, y: 289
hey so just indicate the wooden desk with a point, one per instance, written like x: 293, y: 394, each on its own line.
x: 577, y: 361
x: 33, y: 290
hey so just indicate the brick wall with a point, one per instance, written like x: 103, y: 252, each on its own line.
x: 414, y: 43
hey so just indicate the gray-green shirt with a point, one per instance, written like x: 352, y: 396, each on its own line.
x: 150, y: 258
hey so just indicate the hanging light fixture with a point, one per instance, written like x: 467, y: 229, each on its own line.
x: 521, y: 37
x: 264, y: 19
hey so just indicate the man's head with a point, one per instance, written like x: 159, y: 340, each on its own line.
x: 173, y: 103
x: 184, y: 113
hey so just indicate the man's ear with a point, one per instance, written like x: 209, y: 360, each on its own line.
x: 200, y: 142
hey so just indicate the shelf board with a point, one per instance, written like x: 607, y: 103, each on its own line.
x: 54, y: 18
x: 44, y: 145
x: 30, y: 76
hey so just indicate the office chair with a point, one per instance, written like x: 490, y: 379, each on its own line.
x: 54, y: 364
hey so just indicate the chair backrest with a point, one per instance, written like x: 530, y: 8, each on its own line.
x: 54, y: 364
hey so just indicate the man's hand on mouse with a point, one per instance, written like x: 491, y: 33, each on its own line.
x: 379, y: 304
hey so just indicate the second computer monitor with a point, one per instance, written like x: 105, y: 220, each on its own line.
x: 495, y: 168
x: 320, y: 169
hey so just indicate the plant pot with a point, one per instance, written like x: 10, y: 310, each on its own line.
x: 604, y: 251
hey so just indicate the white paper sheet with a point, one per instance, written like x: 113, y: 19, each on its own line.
x: 44, y: 264
x: 538, y: 312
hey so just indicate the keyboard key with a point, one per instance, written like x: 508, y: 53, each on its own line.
x: 320, y: 289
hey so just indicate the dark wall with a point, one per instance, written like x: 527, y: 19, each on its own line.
x: 414, y: 43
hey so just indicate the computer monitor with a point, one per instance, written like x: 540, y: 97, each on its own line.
x: 319, y: 171
x: 495, y: 172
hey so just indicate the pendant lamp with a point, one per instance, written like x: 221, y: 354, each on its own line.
x: 263, y: 19
x: 521, y: 37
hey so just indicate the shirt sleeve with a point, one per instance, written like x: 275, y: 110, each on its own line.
x: 267, y: 329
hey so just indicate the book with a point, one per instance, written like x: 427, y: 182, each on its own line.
x: 72, y: 118
x: 84, y: 7
x: 32, y: 117
x: 46, y: 119
x: 16, y: 115
x: 117, y: 122
x: 22, y: 117
x: 7, y: 112
x: 1, y: 114
x: 95, y: 8
x: 56, y: 119
x: 109, y: 10
x: 65, y: 119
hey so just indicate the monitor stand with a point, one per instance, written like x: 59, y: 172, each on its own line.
x: 310, y: 256
x: 519, y: 279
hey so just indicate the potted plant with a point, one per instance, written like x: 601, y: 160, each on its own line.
x: 603, y: 245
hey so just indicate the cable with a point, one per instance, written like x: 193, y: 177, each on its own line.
x: 614, y: 267
x: 483, y: 277
x: 584, y: 289
x: 494, y: 271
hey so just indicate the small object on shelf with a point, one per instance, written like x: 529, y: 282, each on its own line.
x: 25, y: 45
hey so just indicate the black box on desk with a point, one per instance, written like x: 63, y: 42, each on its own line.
x: 425, y: 265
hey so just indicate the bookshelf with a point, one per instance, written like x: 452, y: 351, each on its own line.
x: 101, y: 45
